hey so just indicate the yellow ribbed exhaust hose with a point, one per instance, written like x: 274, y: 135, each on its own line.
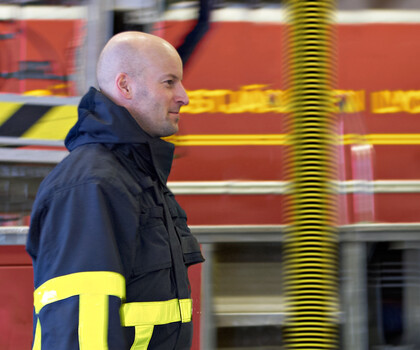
x: 310, y: 249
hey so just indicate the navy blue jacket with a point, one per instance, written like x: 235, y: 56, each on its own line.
x: 102, y: 209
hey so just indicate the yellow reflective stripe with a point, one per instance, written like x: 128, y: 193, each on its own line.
x: 91, y: 282
x: 142, y: 337
x: 156, y: 312
x: 93, y: 289
x: 93, y: 322
x: 37, y: 339
x: 186, y: 310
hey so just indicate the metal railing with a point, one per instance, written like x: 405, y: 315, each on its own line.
x: 372, y: 232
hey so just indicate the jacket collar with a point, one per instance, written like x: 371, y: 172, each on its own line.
x: 102, y: 121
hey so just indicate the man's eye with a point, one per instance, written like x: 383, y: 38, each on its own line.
x: 169, y: 82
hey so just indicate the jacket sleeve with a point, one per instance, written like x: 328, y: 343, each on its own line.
x: 81, y: 243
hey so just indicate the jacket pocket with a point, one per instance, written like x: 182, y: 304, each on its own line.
x: 190, y: 247
x: 153, y: 251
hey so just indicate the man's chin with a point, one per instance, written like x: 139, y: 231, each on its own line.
x: 170, y: 132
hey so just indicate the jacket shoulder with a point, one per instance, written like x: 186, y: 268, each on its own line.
x: 90, y: 163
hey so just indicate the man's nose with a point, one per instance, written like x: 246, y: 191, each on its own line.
x: 182, y: 95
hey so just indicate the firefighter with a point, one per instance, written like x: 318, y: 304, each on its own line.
x: 109, y: 243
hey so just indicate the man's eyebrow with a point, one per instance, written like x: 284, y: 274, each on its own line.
x: 170, y: 75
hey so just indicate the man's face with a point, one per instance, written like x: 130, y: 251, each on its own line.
x: 158, y: 95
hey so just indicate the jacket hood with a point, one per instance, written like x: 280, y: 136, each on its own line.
x: 102, y: 121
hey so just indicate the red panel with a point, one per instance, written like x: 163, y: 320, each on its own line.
x: 16, y: 302
x: 232, y: 54
x: 51, y: 41
x: 369, y: 61
x: 398, y: 207
x: 397, y: 162
x: 55, y: 42
x: 233, y: 210
x: 206, y: 163
x: 14, y: 255
x: 243, y: 123
x: 9, y: 47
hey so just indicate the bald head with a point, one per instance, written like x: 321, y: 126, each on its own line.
x: 143, y: 73
x: 129, y: 53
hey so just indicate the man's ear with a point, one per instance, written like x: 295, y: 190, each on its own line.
x: 123, y: 85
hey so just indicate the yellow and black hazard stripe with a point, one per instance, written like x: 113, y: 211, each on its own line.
x: 23, y: 119
x: 36, y: 121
